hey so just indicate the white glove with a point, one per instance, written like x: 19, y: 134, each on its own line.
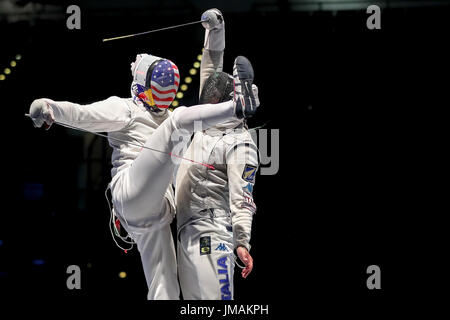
x: 41, y: 113
x: 215, y: 30
x: 212, y: 19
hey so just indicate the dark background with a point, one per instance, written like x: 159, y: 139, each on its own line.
x: 355, y: 109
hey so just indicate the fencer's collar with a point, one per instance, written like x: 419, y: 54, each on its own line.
x: 154, y: 111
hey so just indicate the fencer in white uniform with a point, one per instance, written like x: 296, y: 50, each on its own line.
x: 142, y: 195
x: 215, y: 207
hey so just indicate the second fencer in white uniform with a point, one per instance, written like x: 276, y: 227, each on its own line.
x: 215, y: 207
x: 140, y: 131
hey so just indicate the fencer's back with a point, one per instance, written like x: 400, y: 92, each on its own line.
x: 198, y: 187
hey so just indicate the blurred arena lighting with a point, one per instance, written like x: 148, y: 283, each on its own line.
x: 12, y: 64
x: 122, y: 275
x: 38, y: 262
x: 33, y: 191
x: 184, y: 86
x: 13, y: 11
x: 30, y: 11
x: 339, y: 5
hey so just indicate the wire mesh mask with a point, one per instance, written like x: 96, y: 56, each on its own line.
x: 218, y: 88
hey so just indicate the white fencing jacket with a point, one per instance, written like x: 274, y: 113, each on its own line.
x: 227, y: 190
x: 121, y: 118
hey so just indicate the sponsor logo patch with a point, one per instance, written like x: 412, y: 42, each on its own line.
x: 248, y: 188
x: 249, y: 173
x: 205, y: 245
x: 222, y: 247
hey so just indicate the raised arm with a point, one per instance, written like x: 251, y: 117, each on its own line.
x: 109, y: 115
x: 214, y: 45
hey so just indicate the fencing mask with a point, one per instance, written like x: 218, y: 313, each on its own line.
x: 155, y: 81
x: 217, y: 88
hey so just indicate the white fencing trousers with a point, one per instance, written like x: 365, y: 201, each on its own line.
x: 139, y: 196
x: 206, y: 259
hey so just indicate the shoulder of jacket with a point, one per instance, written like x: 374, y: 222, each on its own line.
x: 122, y: 102
x: 116, y: 99
x: 239, y: 136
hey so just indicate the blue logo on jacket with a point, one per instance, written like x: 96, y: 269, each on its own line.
x: 222, y: 247
x: 224, y: 279
x: 249, y: 173
x: 248, y: 188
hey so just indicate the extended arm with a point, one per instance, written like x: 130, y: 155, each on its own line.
x: 112, y: 114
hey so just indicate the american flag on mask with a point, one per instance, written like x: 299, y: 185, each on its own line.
x: 164, y: 83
